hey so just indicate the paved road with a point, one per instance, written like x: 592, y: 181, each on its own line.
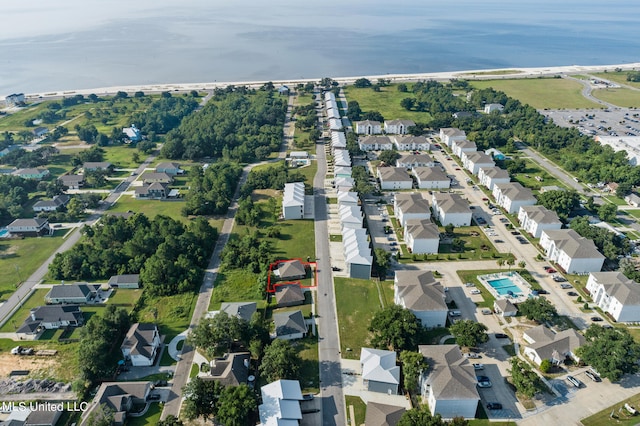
x: 586, y: 91
x: 333, y: 408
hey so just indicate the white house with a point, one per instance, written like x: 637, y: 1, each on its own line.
x: 290, y: 325
x: 394, y: 178
x: 556, y: 347
x: 375, y: 143
x: 489, y: 108
x: 30, y: 227
x: 419, y: 292
x: 141, y: 344
x: 511, y: 196
x: 489, y: 176
x: 335, y: 124
x: 379, y: 371
x: 415, y: 160
x: 422, y: 236
x: 280, y: 403
x: 411, y: 143
x: 451, y: 209
x: 293, y: 201
x: 431, y: 178
x: 350, y: 216
x: 368, y: 127
x: 616, y: 295
x: 341, y: 158
x: 573, y: 253
x: 460, y: 146
x: 338, y: 140
x: 342, y: 171
x: 410, y: 206
x: 535, y: 219
x: 475, y: 160
x: 505, y: 308
x: 449, y: 384
x: 348, y: 198
x: 397, y: 127
x: 448, y: 135
x: 57, y: 202
x: 357, y: 252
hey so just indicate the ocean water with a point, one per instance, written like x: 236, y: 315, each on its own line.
x: 80, y: 44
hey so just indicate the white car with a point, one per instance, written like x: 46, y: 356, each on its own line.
x: 475, y: 291
x: 478, y: 366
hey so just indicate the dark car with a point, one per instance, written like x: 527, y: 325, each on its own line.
x: 572, y: 293
x: 335, y: 268
x: 501, y: 336
x: 559, y: 279
x: 543, y: 291
x: 596, y: 319
x: 307, y: 396
x: 494, y: 406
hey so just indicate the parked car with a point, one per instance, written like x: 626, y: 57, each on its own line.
x: 575, y: 382
x: 592, y: 376
x: 483, y: 382
x: 486, y: 311
x: 307, y: 396
x: 543, y: 291
x: 596, y: 319
x: 475, y: 291
x: 494, y: 406
x: 501, y: 336
x: 478, y: 366
x: 160, y: 383
x: 469, y: 285
x: 499, y: 241
x: 566, y: 286
x: 550, y: 270
x: 471, y: 355
x: 572, y: 293
x: 559, y: 279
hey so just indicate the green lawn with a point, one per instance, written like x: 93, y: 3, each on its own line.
x: 150, y: 208
x: 623, y: 417
x: 151, y: 417
x: 237, y: 285
x: 541, y: 93
x: 528, y: 177
x: 173, y: 313
x: 35, y: 299
x: 20, y: 258
x: 618, y: 77
x: 359, y: 409
x: 386, y: 101
x: 121, y: 155
x: 621, y: 97
x: 356, y: 303
x: 309, y: 375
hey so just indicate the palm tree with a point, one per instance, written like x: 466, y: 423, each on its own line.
x: 500, y: 262
x: 522, y: 264
x: 511, y: 261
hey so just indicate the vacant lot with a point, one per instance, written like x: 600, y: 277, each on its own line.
x: 618, y: 77
x: 151, y: 208
x: 622, y: 417
x: 622, y: 97
x: 386, y: 102
x: 541, y: 93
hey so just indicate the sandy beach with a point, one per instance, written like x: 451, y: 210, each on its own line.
x: 485, y: 74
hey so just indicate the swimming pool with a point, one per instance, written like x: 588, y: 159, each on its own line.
x: 4, y: 233
x: 504, y: 286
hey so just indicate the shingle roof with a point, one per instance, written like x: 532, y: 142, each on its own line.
x: 450, y: 375
x: 412, y: 202
x: 231, y: 370
x: 514, y: 191
x: 291, y: 268
x: 242, y: 310
x: 139, y: 339
x: 451, y: 203
x: 397, y: 174
x: 422, y: 229
x: 420, y: 291
x: 124, y: 279
x: 289, y: 323
x: 431, y: 174
x: 506, y: 306
x: 379, y: 365
x: 382, y: 414
x: 71, y: 290
x: 541, y: 214
x: 495, y: 172
x: 573, y: 244
x: 290, y: 293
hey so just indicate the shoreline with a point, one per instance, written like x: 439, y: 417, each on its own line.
x: 482, y: 74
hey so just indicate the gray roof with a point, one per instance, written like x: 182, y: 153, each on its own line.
x: 383, y: 414
x: 505, y: 305
x: 422, y: 229
x: 168, y: 165
x: 37, y: 221
x: 495, y: 172
x: 514, y: 191
x: 115, y: 396
x: 420, y: 291
x: 154, y: 176
x: 290, y: 293
x: 414, y: 158
x: 66, y: 179
x: 124, y: 279
x: 242, y: 310
x: 573, y: 244
x: 42, y: 417
x: 55, y: 313
x: 71, y: 290
x: 466, y: 144
x: 407, y: 123
x: 139, y: 339
x: 375, y: 139
x: 412, y: 202
x: 56, y: 201
x: 540, y: 333
x: 432, y: 174
x: 291, y: 268
x: 96, y: 165
x: 289, y: 323
x: 616, y: 285
x: 479, y: 157
x: 394, y: 174
x: 230, y: 370
x: 418, y: 140
x: 450, y: 375
x: 541, y: 214
x: 451, y: 203
x: 564, y: 342
x: 450, y: 131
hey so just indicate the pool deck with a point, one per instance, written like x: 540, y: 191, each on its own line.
x: 515, y: 278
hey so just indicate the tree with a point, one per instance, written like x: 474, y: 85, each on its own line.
x: 537, y: 309
x: 353, y: 110
x: 362, y: 83
x: 394, y: 328
x: 402, y: 87
x: 522, y: 264
x: 561, y: 202
x: 382, y: 260
x: 511, y: 261
x: 500, y: 262
x: 469, y: 333
x: 611, y: 351
x: 215, y: 335
x: 413, y: 364
x: 524, y: 378
x: 516, y: 165
x: 449, y: 228
x: 171, y: 420
x: 201, y: 398
x: 280, y: 361
x: 421, y: 416
x: 457, y: 244
x: 389, y: 157
x: 607, y: 212
x: 235, y: 405
x: 101, y: 416
x: 545, y: 365
x: 408, y: 103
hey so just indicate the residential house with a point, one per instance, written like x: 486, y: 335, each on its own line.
x: 72, y: 181
x: 415, y: 160
x: 333, y: 113
x: 342, y: 171
x: 451, y: 209
x: 78, y: 293
x: 357, y: 252
x: 153, y: 191
x: 535, y: 219
x: 431, y: 178
x: 153, y: 177
x: 35, y: 227
x: 55, y: 204
x: 169, y: 168
x: 280, y: 403
x: 556, y: 347
x: 505, y: 308
x: 232, y: 369
x: 39, y: 132
x: 422, y: 236
x: 343, y: 184
x: 49, y: 317
x: 118, y: 398
x: 411, y: 143
x: 348, y: 198
x: 616, y: 295
x: 397, y: 127
x: 125, y: 281
x: 9, y: 149
x: 368, y: 127
x: 410, y: 205
x: 242, y: 310
x: 449, y: 384
x: 335, y: 124
x: 633, y: 200
x: 573, y: 253
x: 382, y: 414
x: 449, y: 135
x: 490, y: 176
x: 338, y: 140
x: 394, y: 178
x: 474, y: 161
x: 489, y: 108
x: 379, y: 371
x: 512, y: 196
x: 375, y: 143
x: 36, y: 173
x: 293, y: 201
x: 423, y: 295
x: 350, y: 216
x: 93, y: 166
x: 459, y: 147
x: 14, y: 99
x: 341, y: 158
x: 132, y: 133
x: 289, y: 295
x: 290, y: 270
x: 141, y: 344
x: 42, y: 418
x: 290, y: 325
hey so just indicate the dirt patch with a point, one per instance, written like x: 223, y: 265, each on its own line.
x: 38, y: 366
x: 7, y: 251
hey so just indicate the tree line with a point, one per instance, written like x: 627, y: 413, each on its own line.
x: 211, y: 190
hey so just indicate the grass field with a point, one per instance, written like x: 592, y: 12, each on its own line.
x: 359, y: 409
x: 310, y: 369
x: 541, y: 93
x: 150, y: 208
x: 356, y: 303
x: 173, y: 313
x: 386, y: 101
x: 618, y: 77
x: 623, y: 417
x: 20, y: 258
x: 151, y: 417
x: 622, y: 97
x: 528, y: 177
x: 36, y: 299
x: 236, y: 285
x: 120, y: 156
